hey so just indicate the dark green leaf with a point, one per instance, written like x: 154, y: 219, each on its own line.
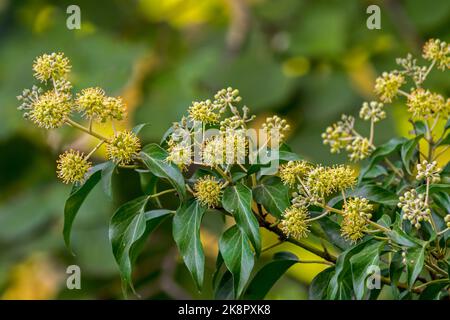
x: 237, y: 200
x: 376, y: 194
x: 107, y: 174
x: 387, y: 149
x: 154, y: 158
x: 76, y: 199
x: 433, y: 291
x: 269, y: 274
x: 415, y: 257
x: 318, y: 287
x: 332, y: 231
x: 238, y: 256
x: 273, y: 195
x: 408, y: 151
x: 186, y: 233
x: 445, y: 141
x: 420, y: 128
x: 224, y: 290
x: 360, y: 264
x: 127, y: 228
x: 139, y: 127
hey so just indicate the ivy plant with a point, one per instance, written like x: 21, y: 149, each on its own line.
x: 382, y: 227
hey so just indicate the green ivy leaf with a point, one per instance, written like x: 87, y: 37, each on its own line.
x: 139, y: 127
x: 408, y: 152
x: 107, y: 174
x: 376, y: 194
x: 273, y: 195
x: 332, y: 231
x: 186, y: 233
x: 238, y: 257
x: 415, y: 258
x: 269, y: 274
x: 318, y: 287
x: 382, y: 152
x: 359, y: 264
x: 434, y: 291
x: 127, y: 230
x: 340, y: 283
x: 237, y: 201
x: 154, y: 158
x: 76, y: 199
x: 445, y: 141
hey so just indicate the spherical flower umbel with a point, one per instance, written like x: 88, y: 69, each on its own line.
x: 180, y: 154
x: 342, y: 177
x: 225, y: 97
x: 114, y: 108
x: 204, y: 111
x: 276, y: 126
x: 372, y: 111
x: 208, y: 191
x: 430, y: 171
x: 414, y: 208
x: 123, y: 147
x: 423, y: 104
x: 91, y: 103
x: 339, y: 135
x: 387, y: 86
x: 50, y: 110
x: 292, y: 170
x: 51, y: 66
x: 213, y: 151
x: 356, y: 213
x: 295, y: 222
x: 437, y: 50
x: 359, y: 149
x: 72, y: 166
x: 323, y: 181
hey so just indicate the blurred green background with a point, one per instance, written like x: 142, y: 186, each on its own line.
x: 308, y: 61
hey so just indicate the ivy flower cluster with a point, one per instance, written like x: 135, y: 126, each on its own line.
x: 52, y: 104
x: 313, y: 184
x: 229, y: 144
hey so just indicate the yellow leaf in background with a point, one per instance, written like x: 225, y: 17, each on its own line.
x: 36, y: 278
x: 361, y: 73
x: 296, y: 66
x: 184, y: 13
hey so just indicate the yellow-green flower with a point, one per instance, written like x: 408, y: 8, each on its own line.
x: 295, y: 222
x: 323, y: 181
x: 114, y: 108
x: 447, y: 220
x: 51, y: 66
x: 123, y: 147
x: 213, y: 151
x: 208, y: 191
x: 276, y: 125
x: 50, y: 110
x: 204, y: 111
x: 387, y: 86
x: 359, y: 149
x: 72, y: 166
x: 424, y: 104
x: 437, y: 50
x: 356, y: 213
x: 372, y: 111
x: 180, y: 154
x: 236, y: 146
x: 289, y: 172
x: 339, y: 135
x: 430, y: 171
x: 91, y: 102
x: 414, y: 207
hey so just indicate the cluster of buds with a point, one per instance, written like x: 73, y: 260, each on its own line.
x: 438, y: 51
x: 430, y: 171
x: 277, y: 125
x: 372, y: 111
x: 387, y: 86
x: 357, y: 212
x: 342, y: 135
x: 208, y: 191
x: 414, y: 208
x: 52, y: 109
x: 410, y: 68
x: 295, y: 222
x: 447, y: 220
